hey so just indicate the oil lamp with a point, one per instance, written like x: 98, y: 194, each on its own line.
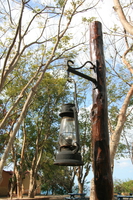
x: 69, y: 147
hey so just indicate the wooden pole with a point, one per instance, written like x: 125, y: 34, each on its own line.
x: 103, y: 183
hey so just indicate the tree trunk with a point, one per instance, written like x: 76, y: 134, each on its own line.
x: 32, y: 184
x: 19, y: 184
x: 92, y: 190
x: 81, y: 177
x: 12, y: 184
x: 80, y: 187
x: 115, y: 137
x: 100, y: 138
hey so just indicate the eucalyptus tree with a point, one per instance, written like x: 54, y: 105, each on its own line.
x: 57, y: 179
x: 43, y: 120
x: 122, y: 71
x: 124, y: 187
x: 34, y: 34
x: 36, y: 142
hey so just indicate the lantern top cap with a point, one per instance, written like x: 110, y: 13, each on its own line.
x: 67, y: 110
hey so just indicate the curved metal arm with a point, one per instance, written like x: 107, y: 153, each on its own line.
x: 70, y: 61
x: 74, y: 71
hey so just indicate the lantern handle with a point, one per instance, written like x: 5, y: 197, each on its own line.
x: 75, y: 92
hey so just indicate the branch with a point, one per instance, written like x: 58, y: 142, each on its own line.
x: 115, y: 137
x: 15, y: 61
x: 4, y: 72
x: 125, y: 61
x: 117, y: 74
x: 128, y: 145
x: 84, y: 10
x: 13, y: 43
x: 18, y: 99
x: 19, y: 53
x: 118, y: 8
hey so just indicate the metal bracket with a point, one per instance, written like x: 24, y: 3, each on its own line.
x: 74, y: 71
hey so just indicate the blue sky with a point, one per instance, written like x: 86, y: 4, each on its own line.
x: 123, y: 170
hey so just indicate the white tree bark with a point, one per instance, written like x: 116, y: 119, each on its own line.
x: 115, y: 137
x: 92, y: 190
x: 118, y: 8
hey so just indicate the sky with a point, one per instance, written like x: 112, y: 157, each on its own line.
x: 123, y: 169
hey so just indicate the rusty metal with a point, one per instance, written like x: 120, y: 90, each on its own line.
x: 100, y: 137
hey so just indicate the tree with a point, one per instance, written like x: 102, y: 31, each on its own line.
x: 44, y: 122
x: 85, y: 140
x: 123, y: 186
x: 4, y: 136
x: 57, y: 179
x: 125, y: 23
x: 35, y: 144
x: 20, y: 39
x: 123, y: 111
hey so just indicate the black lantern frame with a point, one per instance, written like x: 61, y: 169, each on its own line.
x: 68, y: 154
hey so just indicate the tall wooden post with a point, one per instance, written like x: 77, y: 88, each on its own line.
x: 100, y: 137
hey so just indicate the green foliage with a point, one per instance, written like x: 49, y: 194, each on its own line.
x: 59, y: 3
x: 113, y: 114
x: 4, y: 136
x: 115, y: 28
x: 85, y: 135
x: 40, y: 128
x: 123, y: 186
x: 56, y: 179
x: 122, y: 151
x: 89, y: 20
x: 4, y: 139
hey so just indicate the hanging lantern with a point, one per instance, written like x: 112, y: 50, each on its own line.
x: 68, y: 154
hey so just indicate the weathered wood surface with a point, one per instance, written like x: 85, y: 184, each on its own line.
x: 100, y: 137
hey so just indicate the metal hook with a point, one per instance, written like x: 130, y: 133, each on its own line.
x: 70, y: 61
